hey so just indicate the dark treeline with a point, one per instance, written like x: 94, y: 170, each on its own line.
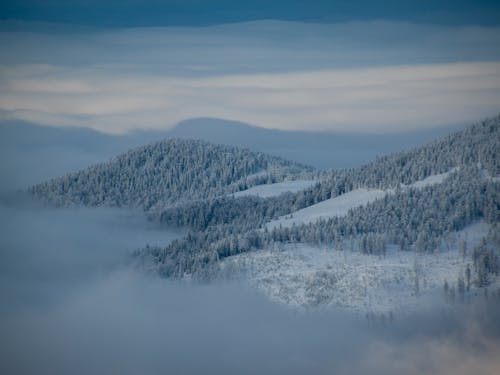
x: 248, y: 210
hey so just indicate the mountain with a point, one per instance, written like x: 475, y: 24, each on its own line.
x: 30, y: 153
x: 324, y: 150
x: 375, y: 237
x: 440, y: 201
x: 166, y: 173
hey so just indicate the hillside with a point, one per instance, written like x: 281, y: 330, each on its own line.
x: 265, y: 219
x: 415, y: 202
x: 165, y: 173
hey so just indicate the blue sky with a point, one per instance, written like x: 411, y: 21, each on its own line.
x: 126, y: 13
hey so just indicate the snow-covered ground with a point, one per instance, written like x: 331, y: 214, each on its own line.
x: 432, y: 180
x: 340, y: 205
x: 486, y: 175
x: 333, y: 207
x: 273, y: 190
x: 304, y: 276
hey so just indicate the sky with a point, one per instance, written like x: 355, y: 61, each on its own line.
x: 135, y: 13
x: 339, y: 66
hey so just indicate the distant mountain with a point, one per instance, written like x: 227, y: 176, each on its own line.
x: 324, y: 150
x: 166, y: 173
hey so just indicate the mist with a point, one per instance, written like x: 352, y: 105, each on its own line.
x: 72, y: 302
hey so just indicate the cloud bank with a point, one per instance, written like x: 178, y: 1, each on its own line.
x: 358, y: 77
x: 71, y: 304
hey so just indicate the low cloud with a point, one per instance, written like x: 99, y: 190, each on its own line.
x: 375, y: 77
x: 71, y: 304
x: 386, y: 99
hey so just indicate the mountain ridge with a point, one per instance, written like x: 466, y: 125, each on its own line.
x: 167, y: 172
x: 323, y: 150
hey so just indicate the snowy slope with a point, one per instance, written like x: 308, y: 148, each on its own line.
x: 431, y: 180
x: 338, y: 206
x: 303, y: 276
x: 273, y: 190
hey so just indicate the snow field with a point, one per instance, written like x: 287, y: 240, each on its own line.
x: 340, y: 205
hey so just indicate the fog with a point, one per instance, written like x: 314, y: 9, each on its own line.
x: 45, y: 250
x: 73, y: 303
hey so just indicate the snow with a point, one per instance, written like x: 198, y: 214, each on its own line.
x: 261, y: 173
x: 338, y: 206
x: 432, y: 180
x: 486, y: 175
x: 303, y: 276
x: 273, y: 190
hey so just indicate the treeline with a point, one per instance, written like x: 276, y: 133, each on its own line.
x: 249, y: 210
x: 485, y: 268
x: 478, y: 144
x: 486, y: 257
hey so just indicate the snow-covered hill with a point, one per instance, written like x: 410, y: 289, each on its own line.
x: 388, y: 219
x: 168, y: 172
x: 301, y: 276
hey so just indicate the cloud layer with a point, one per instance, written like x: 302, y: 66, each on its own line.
x: 71, y: 305
x: 351, y: 77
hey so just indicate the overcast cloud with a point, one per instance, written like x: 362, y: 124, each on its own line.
x: 376, y: 77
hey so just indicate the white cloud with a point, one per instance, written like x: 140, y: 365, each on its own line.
x: 375, y: 99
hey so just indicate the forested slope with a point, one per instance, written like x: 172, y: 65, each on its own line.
x: 188, y: 183
x: 166, y: 173
x: 412, y: 218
